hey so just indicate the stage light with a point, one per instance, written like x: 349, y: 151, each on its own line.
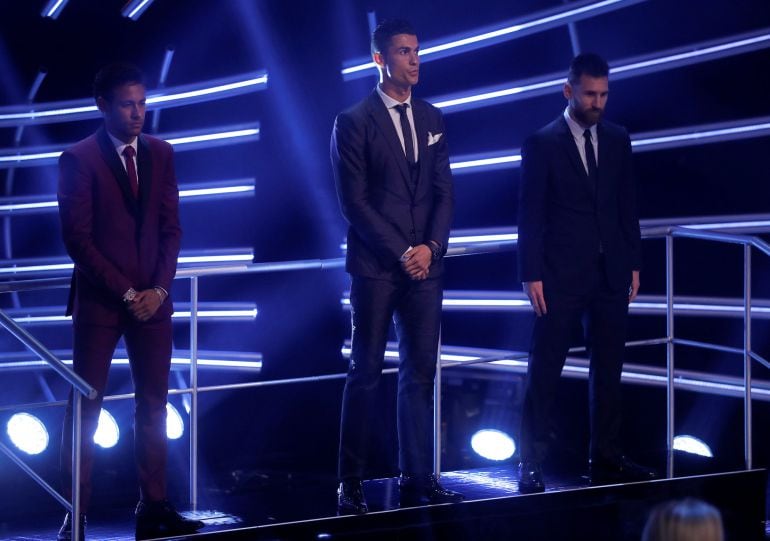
x: 504, y: 31
x: 28, y: 433
x: 134, y: 9
x: 188, y: 140
x: 174, y: 423
x: 198, y: 191
x: 493, y: 444
x: 486, y: 163
x: 664, y: 60
x: 84, y: 108
x: 692, y: 445
x: 53, y: 8
x: 107, y: 431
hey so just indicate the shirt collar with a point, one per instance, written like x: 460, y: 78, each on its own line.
x: 120, y: 145
x: 576, y: 129
x: 390, y: 102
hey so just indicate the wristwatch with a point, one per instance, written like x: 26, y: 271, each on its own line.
x: 129, y: 295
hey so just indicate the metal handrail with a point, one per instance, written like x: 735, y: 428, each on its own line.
x: 193, y: 273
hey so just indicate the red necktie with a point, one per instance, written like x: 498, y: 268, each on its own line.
x: 133, y: 179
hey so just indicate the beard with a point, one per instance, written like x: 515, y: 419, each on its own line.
x: 587, y: 117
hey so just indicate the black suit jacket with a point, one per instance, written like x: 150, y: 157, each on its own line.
x: 386, y: 213
x: 563, y: 218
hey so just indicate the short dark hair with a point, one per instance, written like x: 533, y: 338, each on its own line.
x: 386, y: 30
x: 590, y: 64
x: 112, y: 76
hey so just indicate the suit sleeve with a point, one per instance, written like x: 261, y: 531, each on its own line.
x: 170, y: 232
x: 532, y: 209
x: 76, y: 214
x: 348, y: 158
x: 629, y: 217
x: 443, y: 191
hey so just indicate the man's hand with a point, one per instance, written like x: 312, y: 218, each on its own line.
x: 416, y: 262
x: 634, y: 288
x: 534, y: 291
x: 145, y: 304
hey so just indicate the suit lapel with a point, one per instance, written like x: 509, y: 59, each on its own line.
x: 421, y: 128
x: 110, y: 156
x: 568, y: 141
x: 144, y: 160
x: 384, y: 122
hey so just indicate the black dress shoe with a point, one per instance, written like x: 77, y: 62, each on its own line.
x: 530, y: 477
x: 425, y: 490
x: 65, y: 532
x: 160, y: 519
x: 350, y: 498
x: 618, y: 470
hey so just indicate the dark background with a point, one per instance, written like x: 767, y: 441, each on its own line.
x: 292, y: 429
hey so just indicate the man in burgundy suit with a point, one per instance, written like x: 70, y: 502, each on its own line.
x: 118, y: 204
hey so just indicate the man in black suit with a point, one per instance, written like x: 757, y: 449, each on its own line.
x: 391, y: 170
x: 579, y: 257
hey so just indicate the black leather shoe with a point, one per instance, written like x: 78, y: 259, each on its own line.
x: 160, y: 519
x: 350, y: 498
x: 425, y: 490
x: 618, y: 470
x: 65, y: 532
x: 530, y: 477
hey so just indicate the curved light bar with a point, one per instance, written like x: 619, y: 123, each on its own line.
x: 641, y: 142
x: 209, y: 311
x: 62, y: 265
x: 186, y: 140
x: 199, y: 191
x: 180, y: 359
x: 632, y: 67
x: 504, y: 31
x: 174, y: 96
x: 53, y: 8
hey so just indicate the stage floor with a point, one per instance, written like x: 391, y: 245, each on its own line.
x: 294, y: 507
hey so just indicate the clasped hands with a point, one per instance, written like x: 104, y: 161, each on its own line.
x: 416, y: 262
x: 144, y: 304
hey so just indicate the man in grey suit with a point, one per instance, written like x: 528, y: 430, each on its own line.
x: 391, y: 170
x: 579, y: 258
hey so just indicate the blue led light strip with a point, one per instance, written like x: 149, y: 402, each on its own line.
x: 53, y: 8
x: 188, y: 140
x: 673, y: 58
x: 504, y: 31
x: 66, y: 111
x: 642, y: 142
x: 10, y: 206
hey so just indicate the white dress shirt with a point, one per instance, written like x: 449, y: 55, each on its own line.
x: 577, y: 133
x: 395, y: 116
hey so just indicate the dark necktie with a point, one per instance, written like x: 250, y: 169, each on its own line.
x: 133, y: 179
x: 406, y: 128
x: 590, y: 157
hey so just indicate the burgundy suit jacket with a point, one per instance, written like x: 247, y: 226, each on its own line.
x: 116, y: 240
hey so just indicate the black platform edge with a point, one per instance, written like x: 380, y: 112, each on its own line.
x: 613, y: 512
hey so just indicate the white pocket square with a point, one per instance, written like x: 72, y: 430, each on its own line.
x: 433, y: 138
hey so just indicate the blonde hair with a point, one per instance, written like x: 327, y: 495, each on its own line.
x: 684, y: 520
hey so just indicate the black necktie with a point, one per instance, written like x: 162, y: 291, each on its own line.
x: 406, y: 128
x: 133, y: 179
x: 590, y: 157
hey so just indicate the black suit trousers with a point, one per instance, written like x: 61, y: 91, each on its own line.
x: 604, y: 313
x: 415, y: 307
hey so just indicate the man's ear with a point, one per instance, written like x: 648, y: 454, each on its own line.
x: 567, y: 90
x: 102, y: 104
x: 378, y: 59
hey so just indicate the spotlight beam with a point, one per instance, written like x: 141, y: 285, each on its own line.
x: 622, y: 69
x: 174, y: 96
x: 181, y: 141
x: 498, y: 33
x: 640, y: 142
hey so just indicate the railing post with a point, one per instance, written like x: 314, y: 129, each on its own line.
x: 669, y: 355
x: 747, y: 354
x: 194, y: 393
x: 437, y: 412
x: 77, y: 437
